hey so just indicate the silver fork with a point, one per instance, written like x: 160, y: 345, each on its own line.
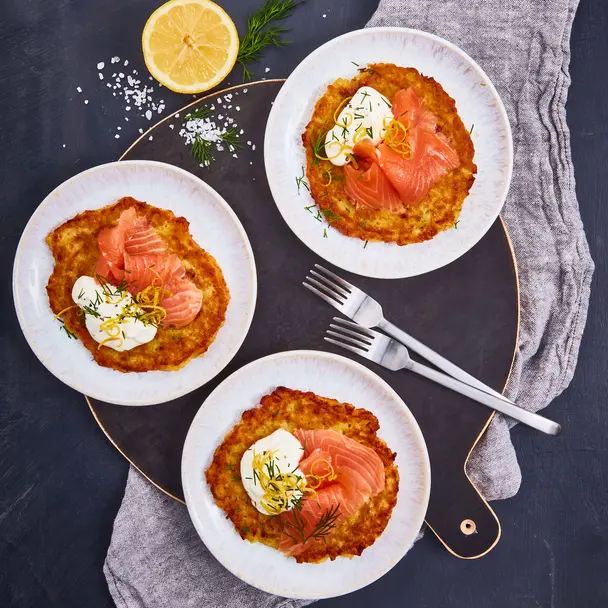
x: 394, y: 356
x: 367, y: 312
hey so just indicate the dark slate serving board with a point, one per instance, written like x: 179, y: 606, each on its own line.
x: 467, y: 311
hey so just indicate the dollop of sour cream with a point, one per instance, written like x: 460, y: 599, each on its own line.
x: 365, y: 115
x: 106, y: 305
x: 282, y: 452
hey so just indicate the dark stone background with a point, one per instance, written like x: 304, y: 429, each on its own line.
x: 61, y: 481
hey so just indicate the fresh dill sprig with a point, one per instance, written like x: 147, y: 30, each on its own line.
x: 261, y: 35
x: 364, y: 246
x: 472, y: 127
x: 456, y: 224
x: 202, y: 150
x: 296, y: 529
x: 200, y: 113
x: 317, y: 143
x: 231, y: 139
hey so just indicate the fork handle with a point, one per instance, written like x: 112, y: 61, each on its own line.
x: 505, y: 407
x: 436, y: 359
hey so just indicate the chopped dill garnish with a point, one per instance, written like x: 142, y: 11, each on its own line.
x: 330, y: 216
x: 370, y: 71
x: 333, y: 136
x: 229, y: 467
x: 456, y: 224
x: 244, y: 529
x: 301, y: 181
x: 260, y: 34
x: 364, y: 95
x: 81, y: 294
x: 355, y: 63
x: 386, y: 102
x: 317, y: 143
x: 359, y: 117
x: 472, y: 127
x: 71, y: 335
x: 364, y: 246
x: 370, y: 106
x: 360, y: 175
x: 236, y: 478
x: 324, y: 233
x: 362, y: 224
x: 200, y: 113
x: 370, y: 132
x: 323, y: 195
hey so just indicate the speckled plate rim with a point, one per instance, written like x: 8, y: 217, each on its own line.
x: 83, y: 374
x: 284, y: 155
x: 328, y: 375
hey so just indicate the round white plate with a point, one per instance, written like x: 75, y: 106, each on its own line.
x: 477, y: 102
x: 214, y: 227
x: 327, y: 375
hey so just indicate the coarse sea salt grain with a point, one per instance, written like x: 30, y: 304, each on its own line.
x: 267, y: 70
x: 115, y: 59
x: 86, y: 101
x: 101, y: 65
x: 79, y: 89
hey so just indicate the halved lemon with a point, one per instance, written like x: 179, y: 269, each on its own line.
x: 190, y: 45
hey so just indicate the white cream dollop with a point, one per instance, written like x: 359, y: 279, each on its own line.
x: 368, y: 112
x: 287, y: 453
x: 107, y: 304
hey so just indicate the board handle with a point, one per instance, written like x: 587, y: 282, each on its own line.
x: 459, y: 516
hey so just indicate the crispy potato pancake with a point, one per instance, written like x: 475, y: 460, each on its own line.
x: 74, y: 247
x: 441, y: 206
x: 289, y: 409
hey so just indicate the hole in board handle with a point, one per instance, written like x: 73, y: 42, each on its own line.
x: 468, y: 527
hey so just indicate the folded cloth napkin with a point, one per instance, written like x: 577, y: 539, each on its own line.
x: 156, y: 559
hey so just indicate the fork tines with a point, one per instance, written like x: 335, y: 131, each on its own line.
x: 352, y: 335
x: 329, y: 286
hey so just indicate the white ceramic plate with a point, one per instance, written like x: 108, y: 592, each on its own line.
x: 327, y: 375
x: 477, y: 102
x: 214, y: 227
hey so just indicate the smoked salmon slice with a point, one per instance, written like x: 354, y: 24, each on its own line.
x: 134, y: 252
x: 389, y: 180
x: 347, y: 474
x: 368, y: 186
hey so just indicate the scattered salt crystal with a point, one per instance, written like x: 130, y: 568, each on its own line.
x: 114, y: 75
x: 251, y: 162
x: 150, y: 138
x: 128, y: 108
x: 121, y: 75
x: 238, y: 108
x: 101, y: 65
x: 126, y: 63
x: 324, y: 16
x: 141, y: 130
x: 86, y: 101
x: 241, y: 132
x: 79, y: 89
x: 219, y: 100
x: 235, y: 155
x: 117, y: 136
x: 100, y: 76
x: 119, y: 128
x: 177, y: 115
x: 267, y: 70
x: 148, y: 114
x: 109, y: 85
x: 126, y: 118
x: 63, y: 145
x: 244, y: 90
x: 253, y: 147
x: 248, y: 143
x: 172, y: 126
x: 115, y: 59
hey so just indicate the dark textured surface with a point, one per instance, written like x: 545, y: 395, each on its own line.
x: 61, y: 481
x: 478, y: 292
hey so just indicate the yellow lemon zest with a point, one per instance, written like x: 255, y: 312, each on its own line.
x: 110, y: 340
x: 281, y: 489
x: 395, y: 137
x: 339, y: 109
x: 61, y: 313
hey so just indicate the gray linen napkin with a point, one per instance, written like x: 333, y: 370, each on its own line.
x: 156, y: 559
